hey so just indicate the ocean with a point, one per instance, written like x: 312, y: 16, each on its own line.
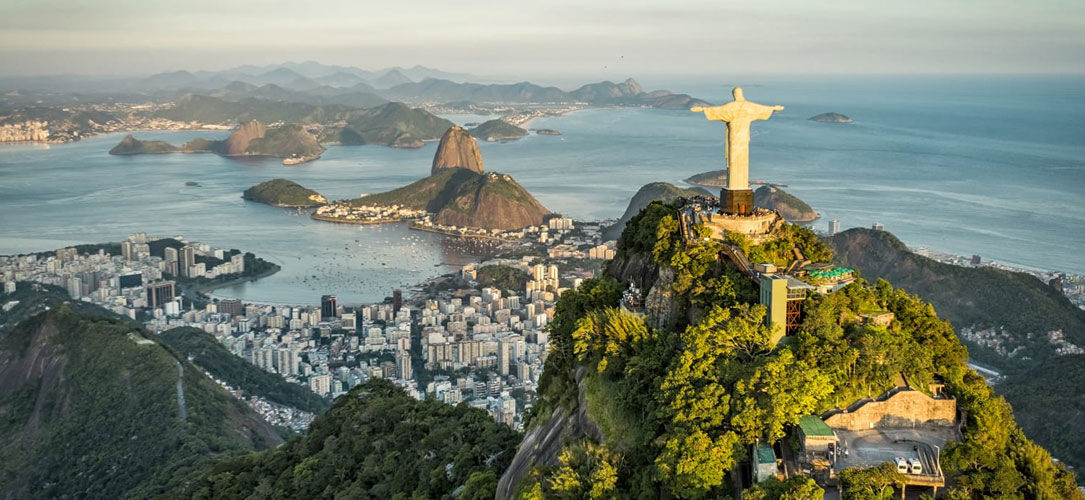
x: 991, y: 165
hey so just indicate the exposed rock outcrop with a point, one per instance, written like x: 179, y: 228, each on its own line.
x: 542, y: 443
x: 238, y: 142
x: 457, y: 150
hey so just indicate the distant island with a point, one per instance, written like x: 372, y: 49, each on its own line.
x: 284, y: 193
x: 547, y: 131
x: 712, y: 178
x: 831, y: 118
x: 291, y: 142
x: 498, y: 130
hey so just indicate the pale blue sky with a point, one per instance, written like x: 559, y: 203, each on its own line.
x: 556, y: 38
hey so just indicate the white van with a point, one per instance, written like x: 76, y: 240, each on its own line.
x: 902, y: 465
x: 916, y: 466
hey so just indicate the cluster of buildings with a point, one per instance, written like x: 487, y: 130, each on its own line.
x: 63, y: 125
x: 274, y: 413
x: 131, y: 282
x: 365, y: 214
x: 1009, y: 345
x: 472, y: 345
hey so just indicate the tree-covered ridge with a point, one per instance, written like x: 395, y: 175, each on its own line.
x: 375, y: 442
x: 497, y: 130
x: 1049, y: 406
x: 970, y: 296
x: 283, y: 193
x: 679, y: 406
x: 206, y: 352
x: 89, y: 408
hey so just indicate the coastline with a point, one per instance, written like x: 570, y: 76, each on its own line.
x: 359, y: 222
x: 209, y: 287
x: 430, y: 229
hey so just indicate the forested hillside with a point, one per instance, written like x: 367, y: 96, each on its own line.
x: 675, y: 405
x: 375, y: 442
x: 90, y: 408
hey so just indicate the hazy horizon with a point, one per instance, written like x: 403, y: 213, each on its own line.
x: 556, y: 40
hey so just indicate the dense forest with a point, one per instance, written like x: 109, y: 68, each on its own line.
x: 1024, y: 306
x: 205, y: 351
x: 503, y: 278
x: 375, y: 442
x: 678, y: 407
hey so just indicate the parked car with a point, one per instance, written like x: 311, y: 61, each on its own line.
x: 902, y: 465
x: 915, y: 466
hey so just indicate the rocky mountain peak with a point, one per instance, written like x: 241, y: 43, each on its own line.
x: 457, y: 150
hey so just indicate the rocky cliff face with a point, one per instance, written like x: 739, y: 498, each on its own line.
x: 542, y: 443
x: 457, y: 150
x: 238, y: 142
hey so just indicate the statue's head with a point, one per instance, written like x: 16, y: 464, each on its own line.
x: 737, y: 92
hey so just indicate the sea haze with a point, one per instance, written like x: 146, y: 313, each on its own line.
x: 993, y: 166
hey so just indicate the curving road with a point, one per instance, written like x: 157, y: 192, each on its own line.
x: 181, y: 392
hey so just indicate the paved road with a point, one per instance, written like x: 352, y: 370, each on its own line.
x: 181, y: 392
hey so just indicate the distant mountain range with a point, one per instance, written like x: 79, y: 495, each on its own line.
x: 299, y: 76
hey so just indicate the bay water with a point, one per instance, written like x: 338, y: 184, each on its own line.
x: 993, y: 166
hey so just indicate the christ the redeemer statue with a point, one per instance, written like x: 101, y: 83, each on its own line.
x: 737, y: 198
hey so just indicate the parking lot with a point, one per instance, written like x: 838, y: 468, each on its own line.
x: 870, y: 448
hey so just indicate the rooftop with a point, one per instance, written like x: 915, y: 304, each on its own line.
x: 765, y: 455
x: 814, y: 426
x: 828, y: 272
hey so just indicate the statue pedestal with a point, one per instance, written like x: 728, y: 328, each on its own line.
x: 758, y: 226
x: 737, y: 201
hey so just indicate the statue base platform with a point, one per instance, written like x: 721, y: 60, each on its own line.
x: 737, y: 201
x: 758, y: 226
